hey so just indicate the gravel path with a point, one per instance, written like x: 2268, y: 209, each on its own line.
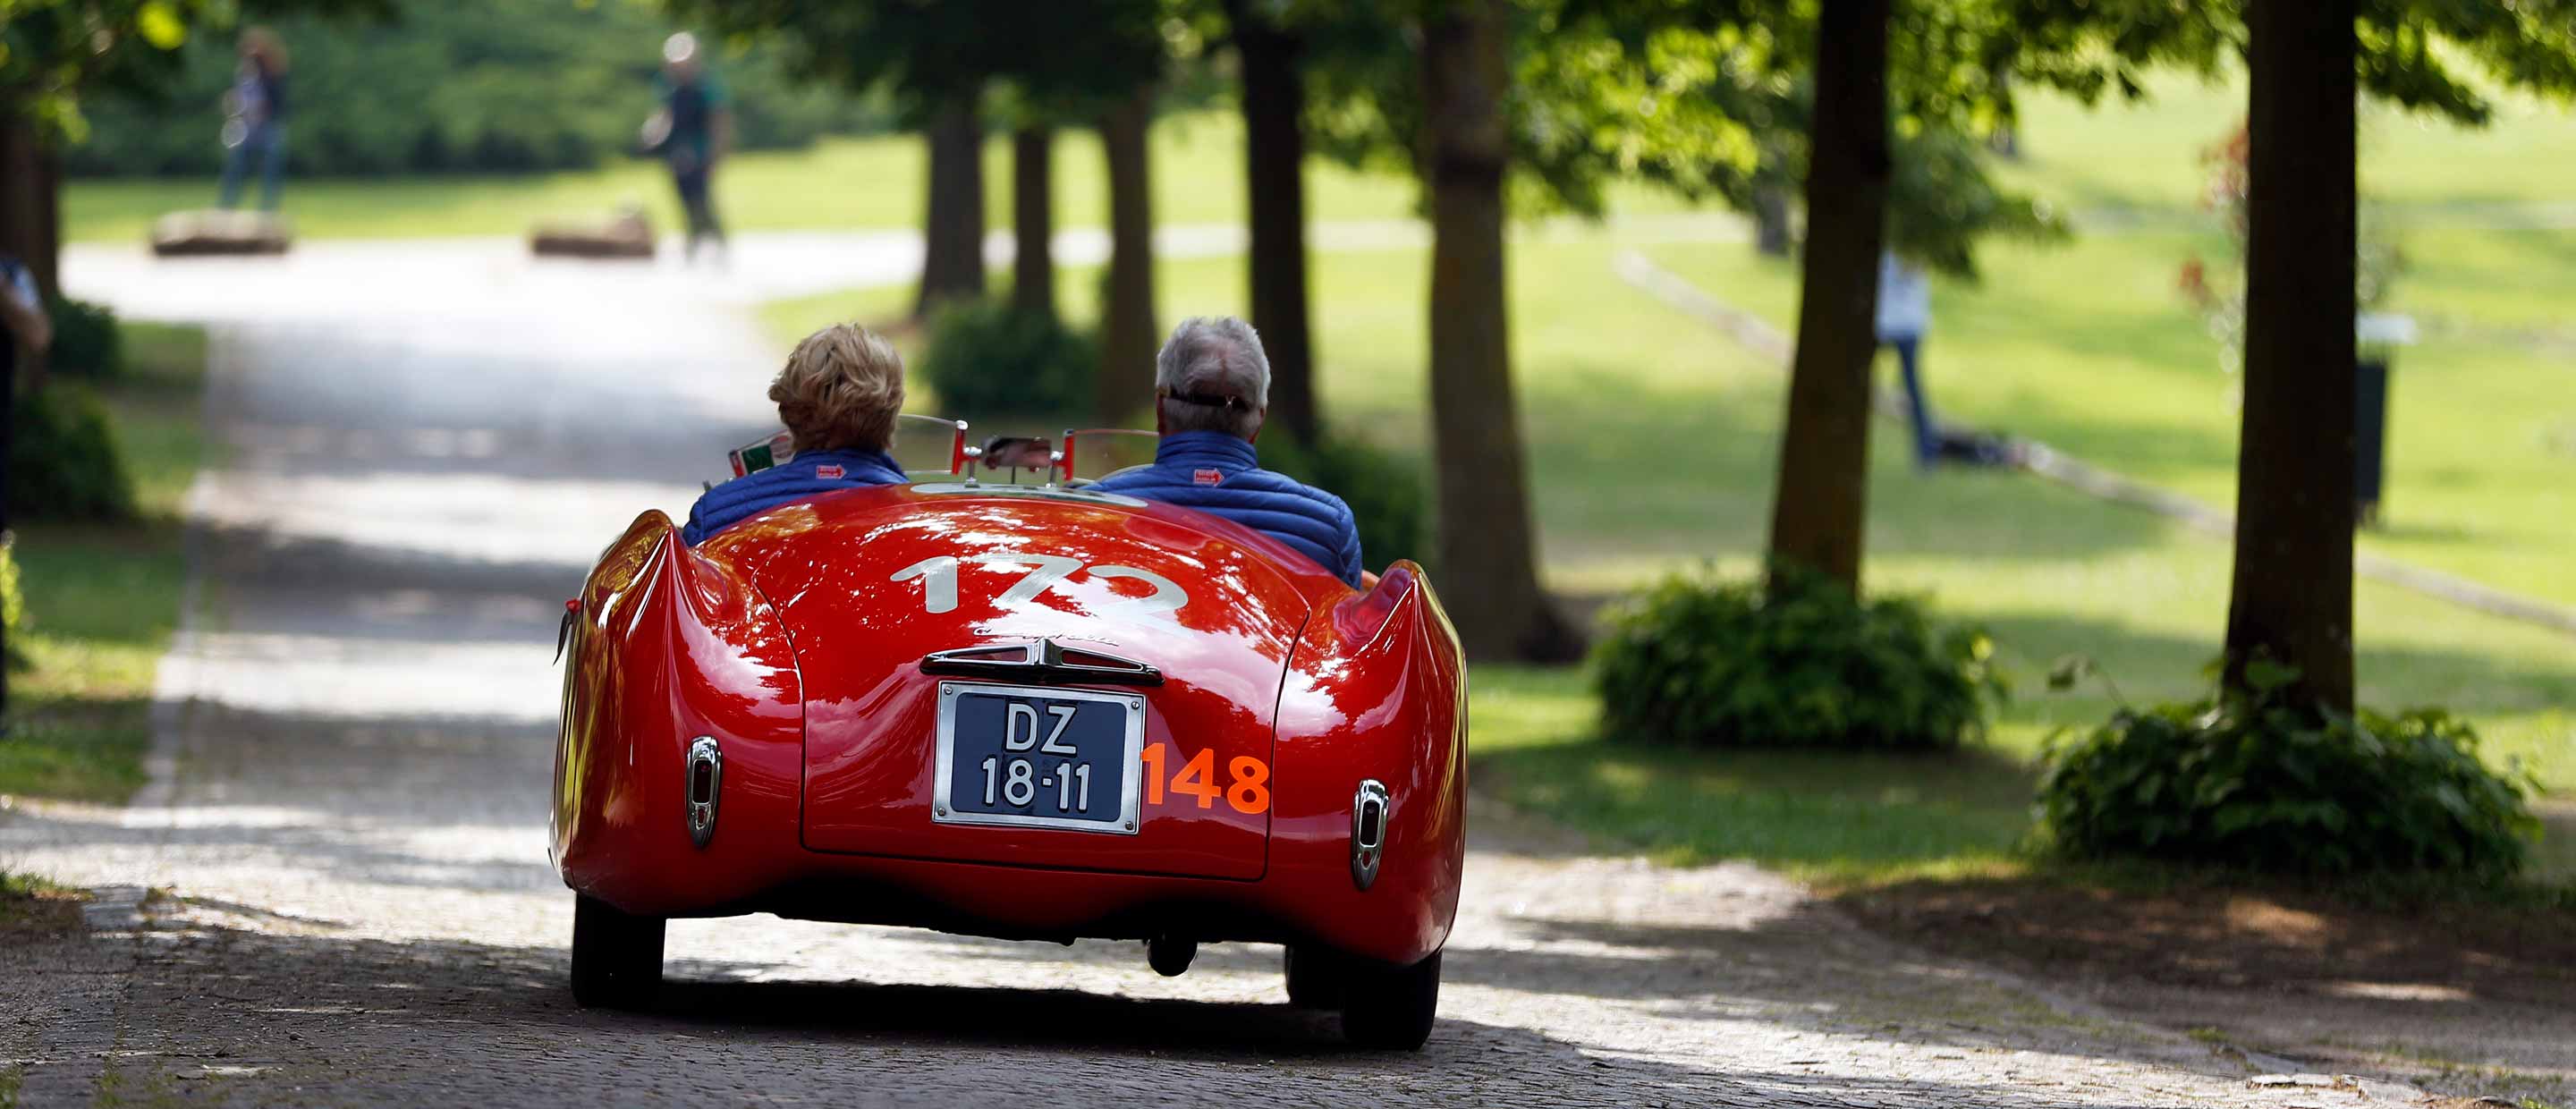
x: 355, y: 756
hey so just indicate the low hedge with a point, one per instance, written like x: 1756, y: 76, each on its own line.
x: 986, y: 359
x: 1793, y: 660
x: 63, y: 459
x: 2262, y: 782
x: 86, y: 341
x: 13, y: 609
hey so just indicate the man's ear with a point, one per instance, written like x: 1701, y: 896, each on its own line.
x: 1159, y: 419
x: 1262, y: 417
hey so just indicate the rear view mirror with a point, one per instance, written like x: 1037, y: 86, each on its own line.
x: 1016, y: 452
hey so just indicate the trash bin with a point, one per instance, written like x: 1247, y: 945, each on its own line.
x: 2370, y: 436
x: 2377, y: 336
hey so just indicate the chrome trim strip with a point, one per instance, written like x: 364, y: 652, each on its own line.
x: 1041, y: 661
x: 1033, y: 492
x: 1130, y: 781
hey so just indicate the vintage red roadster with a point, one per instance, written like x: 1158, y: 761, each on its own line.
x: 1021, y: 710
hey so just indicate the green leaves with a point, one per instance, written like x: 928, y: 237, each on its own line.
x: 2266, y: 783
x: 159, y: 23
x: 1698, y: 662
x: 985, y: 358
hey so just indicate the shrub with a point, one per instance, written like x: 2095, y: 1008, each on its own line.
x: 1796, y: 661
x: 13, y: 609
x: 86, y: 342
x: 2260, y: 782
x: 1385, y: 492
x: 984, y: 359
x: 63, y: 460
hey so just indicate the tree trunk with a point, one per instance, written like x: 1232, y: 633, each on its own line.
x: 25, y: 210
x: 1032, y: 222
x: 952, y: 263
x: 1488, y: 565
x: 47, y: 261
x: 2291, y: 597
x: 1274, y: 101
x: 1771, y: 220
x: 1128, y: 333
x: 1820, y: 507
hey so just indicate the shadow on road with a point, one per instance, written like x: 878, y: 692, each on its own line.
x: 352, y: 1020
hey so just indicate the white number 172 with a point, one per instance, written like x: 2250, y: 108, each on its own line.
x: 938, y: 575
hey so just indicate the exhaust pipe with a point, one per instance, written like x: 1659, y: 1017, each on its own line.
x: 705, y: 785
x: 1169, y: 955
x: 1369, y: 810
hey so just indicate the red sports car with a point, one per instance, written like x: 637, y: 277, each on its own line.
x: 1015, y: 710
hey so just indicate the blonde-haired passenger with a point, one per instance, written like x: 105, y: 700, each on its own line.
x: 838, y: 397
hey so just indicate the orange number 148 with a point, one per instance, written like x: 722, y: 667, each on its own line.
x: 1248, y: 792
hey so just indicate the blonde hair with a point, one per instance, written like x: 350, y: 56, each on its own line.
x: 840, y: 390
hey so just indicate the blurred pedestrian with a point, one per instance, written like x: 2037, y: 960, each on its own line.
x: 692, y: 132
x: 1904, y: 318
x: 256, y: 126
x: 23, y: 324
x: 1904, y: 315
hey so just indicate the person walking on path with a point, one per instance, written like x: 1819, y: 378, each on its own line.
x: 257, y: 126
x: 692, y: 132
x: 1904, y: 314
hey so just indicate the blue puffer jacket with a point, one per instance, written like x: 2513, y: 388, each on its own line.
x: 1219, y: 474
x: 804, y: 476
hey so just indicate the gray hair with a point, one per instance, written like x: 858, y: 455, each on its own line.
x: 1207, y: 357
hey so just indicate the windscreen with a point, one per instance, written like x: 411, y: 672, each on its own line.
x: 1098, y: 453
x: 924, y: 445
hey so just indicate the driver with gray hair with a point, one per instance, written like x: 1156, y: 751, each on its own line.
x: 1211, y: 391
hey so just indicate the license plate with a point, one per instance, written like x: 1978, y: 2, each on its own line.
x: 1034, y: 757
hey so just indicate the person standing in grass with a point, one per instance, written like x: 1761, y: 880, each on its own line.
x: 23, y: 324
x: 257, y: 127
x: 1904, y: 314
x: 692, y: 132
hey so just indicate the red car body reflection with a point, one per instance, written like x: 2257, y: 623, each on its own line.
x: 797, y: 640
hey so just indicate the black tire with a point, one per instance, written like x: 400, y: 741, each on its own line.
x: 1387, y: 1008
x: 1315, y: 978
x: 616, y: 957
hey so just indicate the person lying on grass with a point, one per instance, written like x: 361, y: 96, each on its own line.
x: 1211, y: 392
x: 838, y: 397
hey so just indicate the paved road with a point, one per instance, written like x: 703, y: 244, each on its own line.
x: 348, y: 815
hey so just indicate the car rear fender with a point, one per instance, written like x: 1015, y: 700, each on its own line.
x: 1376, y: 691
x: 666, y: 647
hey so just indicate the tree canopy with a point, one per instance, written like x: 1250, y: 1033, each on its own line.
x: 932, y: 54
x: 485, y: 86
x: 54, y: 53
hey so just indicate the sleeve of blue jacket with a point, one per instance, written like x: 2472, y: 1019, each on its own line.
x: 1351, y: 567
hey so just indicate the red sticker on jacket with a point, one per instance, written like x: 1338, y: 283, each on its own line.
x: 1207, y: 476
x: 829, y: 472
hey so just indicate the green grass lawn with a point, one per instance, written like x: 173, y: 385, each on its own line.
x: 873, y: 182
x: 841, y: 183
x: 102, y: 599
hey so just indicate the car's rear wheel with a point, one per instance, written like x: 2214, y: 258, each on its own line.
x: 1315, y: 978
x: 616, y: 956
x: 1390, y: 1008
